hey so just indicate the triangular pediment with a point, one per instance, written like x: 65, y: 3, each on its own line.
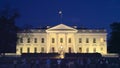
x: 61, y: 27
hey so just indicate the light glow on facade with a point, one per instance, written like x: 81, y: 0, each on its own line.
x: 62, y: 38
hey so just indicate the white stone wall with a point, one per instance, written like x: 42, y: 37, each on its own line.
x: 66, y: 33
x: 100, y: 46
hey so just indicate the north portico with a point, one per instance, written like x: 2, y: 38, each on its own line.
x: 62, y: 39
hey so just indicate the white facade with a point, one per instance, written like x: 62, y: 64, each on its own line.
x: 62, y: 38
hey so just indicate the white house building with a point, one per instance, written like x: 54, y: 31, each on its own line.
x: 62, y: 38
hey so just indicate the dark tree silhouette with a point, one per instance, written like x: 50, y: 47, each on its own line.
x: 8, y: 30
x: 114, y: 41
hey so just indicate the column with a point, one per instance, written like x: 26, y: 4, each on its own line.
x: 57, y: 42
x: 74, y: 44
x: 48, y: 42
x: 66, y: 43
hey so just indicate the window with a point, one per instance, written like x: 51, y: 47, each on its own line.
x: 21, y: 40
x: 21, y: 50
x: 70, y: 50
x: 28, y: 50
x: 87, y: 50
x: 53, y: 49
x: 42, y: 49
x: 80, y: 49
x: 53, y: 40
x: 94, y: 40
x: 94, y: 50
x: 61, y: 40
x: 35, y: 50
x: 101, y: 40
x: 35, y: 40
x: 69, y: 40
x: 101, y: 49
x: 28, y: 40
x: 42, y: 40
x: 80, y: 40
x: 87, y: 40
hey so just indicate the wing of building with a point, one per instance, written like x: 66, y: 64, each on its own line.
x: 62, y: 38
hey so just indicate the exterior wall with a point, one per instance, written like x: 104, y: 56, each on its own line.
x: 61, y: 45
x: 100, y: 45
x: 70, y: 41
x: 32, y: 45
x: 76, y: 47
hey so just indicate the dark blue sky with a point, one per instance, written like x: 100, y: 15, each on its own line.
x: 89, y: 13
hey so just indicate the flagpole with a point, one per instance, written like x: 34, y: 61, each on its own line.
x: 61, y: 16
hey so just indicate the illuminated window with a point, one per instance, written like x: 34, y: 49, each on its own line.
x: 28, y: 40
x: 94, y: 40
x: 21, y: 40
x: 28, y: 50
x: 70, y: 50
x: 21, y: 50
x: 87, y: 50
x: 80, y: 49
x: 94, y: 50
x: 80, y: 40
x: 101, y: 49
x: 42, y: 40
x: 87, y: 40
x: 42, y: 49
x: 53, y: 49
x: 61, y: 40
x: 35, y: 50
x: 69, y: 40
x: 101, y: 40
x: 35, y: 40
x: 53, y: 40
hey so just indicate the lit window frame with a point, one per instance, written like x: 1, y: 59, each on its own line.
x: 87, y: 40
x: 69, y: 40
x: 35, y: 40
x: 80, y: 40
x: 28, y: 40
x: 53, y: 40
x: 42, y: 40
x: 61, y: 40
x: 94, y: 40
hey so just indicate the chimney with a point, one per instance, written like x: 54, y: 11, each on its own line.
x: 74, y: 26
x: 48, y: 26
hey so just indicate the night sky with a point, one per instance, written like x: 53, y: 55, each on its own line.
x: 88, y: 13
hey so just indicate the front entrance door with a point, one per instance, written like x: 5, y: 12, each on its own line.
x: 61, y: 50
